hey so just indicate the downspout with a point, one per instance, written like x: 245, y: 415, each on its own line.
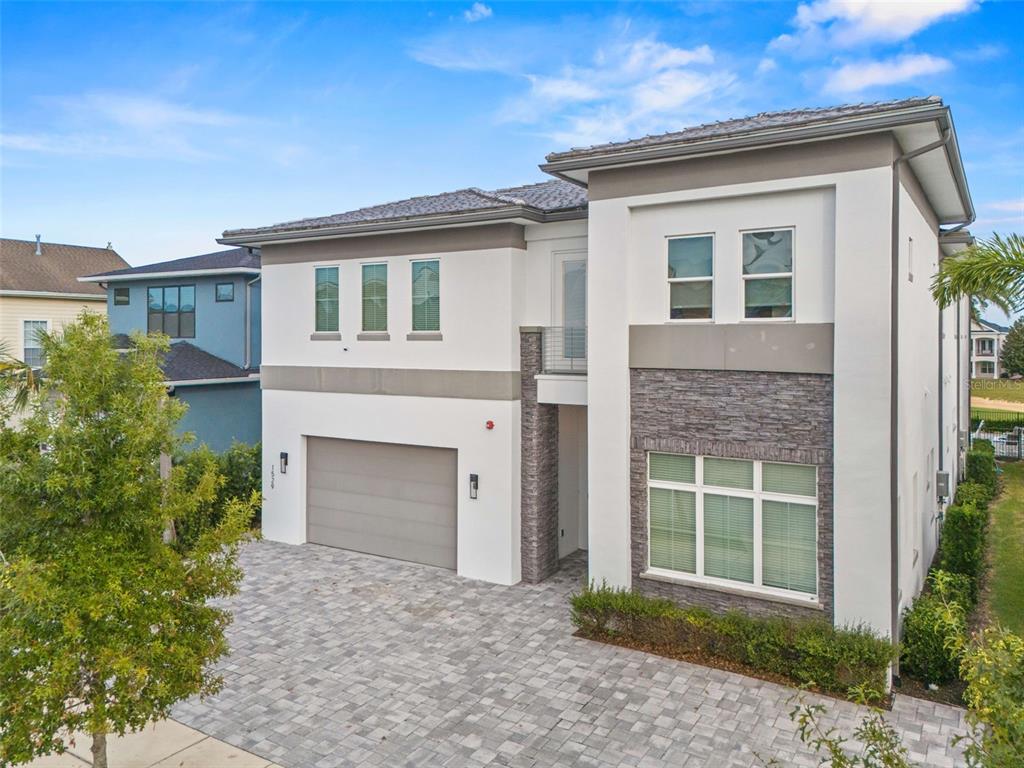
x: 248, y: 321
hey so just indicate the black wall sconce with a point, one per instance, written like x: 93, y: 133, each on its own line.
x: 284, y: 463
x: 474, y: 485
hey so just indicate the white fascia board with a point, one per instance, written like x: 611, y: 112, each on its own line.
x: 228, y: 380
x: 54, y: 295
x: 163, y: 275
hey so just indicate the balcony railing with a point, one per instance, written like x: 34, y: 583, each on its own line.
x: 984, y: 352
x: 564, y: 350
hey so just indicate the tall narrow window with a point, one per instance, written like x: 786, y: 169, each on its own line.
x: 690, y: 271
x: 768, y: 274
x: 33, y: 346
x: 172, y: 310
x: 574, y: 308
x: 426, y: 296
x: 375, y: 297
x: 326, y: 300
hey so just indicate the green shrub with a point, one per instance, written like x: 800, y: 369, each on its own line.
x: 981, y: 444
x: 935, y: 627
x: 962, y: 547
x: 806, y: 651
x: 981, y: 466
x: 972, y: 493
x: 240, y: 468
x: 993, y: 668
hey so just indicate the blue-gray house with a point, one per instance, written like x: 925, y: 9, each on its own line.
x: 210, y: 307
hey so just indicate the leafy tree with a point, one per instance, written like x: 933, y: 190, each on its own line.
x: 103, y: 626
x: 1012, y: 355
x: 992, y: 270
x: 18, y: 382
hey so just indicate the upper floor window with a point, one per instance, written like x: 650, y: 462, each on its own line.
x: 122, y: 296
x: 690, y: 277
x: 768, y: 274
x: 32, y: 345
x: 426, y: 296
x: 375, y: 298
x: 734, y: 520
x: 327, y: 304
x: 225, y: 292
x: 986, y: 346
x: 172, y: 310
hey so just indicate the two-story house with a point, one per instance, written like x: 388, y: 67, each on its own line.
x: 39, y: 290
x: 987, y: 348
x: 710, y: 358
x: 210, y: 307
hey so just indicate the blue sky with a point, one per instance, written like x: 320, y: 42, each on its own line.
x: 156, y: 126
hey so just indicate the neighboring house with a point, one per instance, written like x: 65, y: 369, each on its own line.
x: 39, y: 290
x: 986, y: 349
x: 210, y: 307
x: 711, y: 358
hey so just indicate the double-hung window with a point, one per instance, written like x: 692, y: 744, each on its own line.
x: 122, y: 296
x: 172, y: 310
x: 768, y: 274
x: 426, y: 296
x: 734, y: 521
x: 690, y: 277
x: 375, y: 298
x: 327, y: 303
x: 33, y: 346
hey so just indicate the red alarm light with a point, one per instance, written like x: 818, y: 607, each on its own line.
x: 489, y: 424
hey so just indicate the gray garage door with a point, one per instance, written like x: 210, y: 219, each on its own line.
x: 392, y: 500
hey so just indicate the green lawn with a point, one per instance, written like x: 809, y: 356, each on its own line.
x: 998, y: 389
x: 1006, y: 540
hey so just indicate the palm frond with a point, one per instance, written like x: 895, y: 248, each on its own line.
x: 991, y: 270
x: 17, y: 380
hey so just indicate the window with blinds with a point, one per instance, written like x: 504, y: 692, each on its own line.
x: 375, y: 297
x: 326, y: 298
x: 426, y: 296
x: 737, y: 521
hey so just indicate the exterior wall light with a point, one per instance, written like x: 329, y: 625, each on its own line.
x: 474, y: 485
x: 284, y: 463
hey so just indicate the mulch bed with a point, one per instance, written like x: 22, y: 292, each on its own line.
x: 714, y: 662
x: 950, y: 693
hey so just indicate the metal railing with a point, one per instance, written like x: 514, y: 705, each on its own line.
x: 564, y: 350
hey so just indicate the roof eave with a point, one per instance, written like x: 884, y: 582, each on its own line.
x: 171, y: 273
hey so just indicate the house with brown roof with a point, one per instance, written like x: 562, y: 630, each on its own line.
x: 39, y: 290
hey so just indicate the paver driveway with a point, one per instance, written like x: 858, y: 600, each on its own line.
x: 342, y: 659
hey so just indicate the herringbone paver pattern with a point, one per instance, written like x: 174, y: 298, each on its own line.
x: 342, y: 659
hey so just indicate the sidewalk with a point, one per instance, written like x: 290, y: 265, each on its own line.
x: 167, y: 744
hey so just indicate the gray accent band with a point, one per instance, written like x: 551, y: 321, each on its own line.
x: 407, y: 382
x: 397, y: 244
x: 325, y: 337
x: 373, y: 336
x: 781, y: 348
x: 424, y: 336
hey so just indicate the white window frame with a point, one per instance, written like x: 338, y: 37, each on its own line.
x: 708, y: 279
x: 336, y: 266
x: 766, y: 276
x: 46, y: 329
x: 362, y: 295
x: 983, y: 363
x: 440, y: 304
x: 986, y: 346
x: 698, y: 488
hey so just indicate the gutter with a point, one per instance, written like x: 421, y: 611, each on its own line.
x: 101, y: 278
x: 53, y: 295
x: 226, y: 380
x: 248, y: 321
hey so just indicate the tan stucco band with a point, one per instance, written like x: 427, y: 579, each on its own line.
x: 408, y: 382
x: 873, y: 150
x: 397, y: 244
x: 781, y: 348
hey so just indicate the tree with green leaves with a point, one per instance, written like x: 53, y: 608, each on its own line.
x: 18, y: 383
x: 1012, y: 354
x: 991, y: 270
x: 103, y: 625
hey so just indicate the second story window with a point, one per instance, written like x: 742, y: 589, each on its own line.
x: 375, y: 298
x: 172, y: 310
x: 426, y: 296
x: 32, y: 345
x: 225, y: 292
x: 768, y: 274
x: 690, y: 281
x: 986, y: 346
x: 326, y: 300
x: 122, y: 297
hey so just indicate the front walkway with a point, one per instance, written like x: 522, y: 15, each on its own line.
x: 342, y: 659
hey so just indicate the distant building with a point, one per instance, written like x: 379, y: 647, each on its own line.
x: 210, y: 307
x: 986, y: 349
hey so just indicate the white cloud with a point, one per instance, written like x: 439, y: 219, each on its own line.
x: 983, y: 52
x: 477, y: 12
x: 849, y: 23
x: 859, y: 76
x: 1014, y: 206
x: 143, y: 112
x: 766, y: 65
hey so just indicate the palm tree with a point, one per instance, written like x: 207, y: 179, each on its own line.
x: 18, y: 382
x: 991, y: 270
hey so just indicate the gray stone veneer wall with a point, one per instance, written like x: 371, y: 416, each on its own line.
x: 539, y: 472
x: 738, y: 414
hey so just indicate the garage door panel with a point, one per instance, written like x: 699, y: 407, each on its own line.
x: 392, y: 500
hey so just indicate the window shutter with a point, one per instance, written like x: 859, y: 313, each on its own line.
x: 426, y: 296
x: 375, y: 297
x: 673, y: 468
x: 729, y: 473
x: 789, y: 553
x: 729, y: 537
x: 795, y: 479
x: 673, y: 530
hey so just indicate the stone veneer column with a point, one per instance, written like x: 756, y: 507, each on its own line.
x: 539, y: 472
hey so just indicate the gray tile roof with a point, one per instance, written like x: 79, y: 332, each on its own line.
x: 764, y: 121
x: 544, y: 197
x: 186, y: 362
x: 56, y: 270
x: 233, y: 258
x: 994, y: 326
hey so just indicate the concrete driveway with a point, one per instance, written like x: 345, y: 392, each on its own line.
x: 342, y: 659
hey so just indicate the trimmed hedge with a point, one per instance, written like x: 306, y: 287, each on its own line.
x: 850, y: 662
x: 981, y: 466
x: 935, y: 628
x: 975, y: 494
x: 962, y: 547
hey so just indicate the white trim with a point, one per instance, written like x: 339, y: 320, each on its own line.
x: 767, y: 276
x: 31, y: 320
x: 227, y: 380
x: 171, y: 274
x: 54, y: 295
x: 413, y: 332
x: 336, y: 266
x: 732, y: 587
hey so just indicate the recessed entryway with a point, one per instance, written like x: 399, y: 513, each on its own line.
x: 397, y: 501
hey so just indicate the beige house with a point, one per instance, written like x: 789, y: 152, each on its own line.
x: 39, y: 290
